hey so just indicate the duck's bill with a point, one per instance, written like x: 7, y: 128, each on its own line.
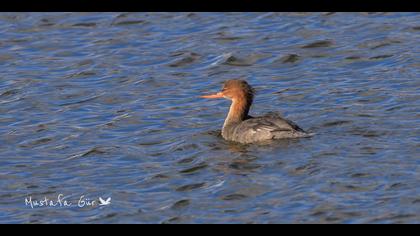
x: 216, y: 95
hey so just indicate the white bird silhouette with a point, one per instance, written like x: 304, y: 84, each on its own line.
x: 102, y: 202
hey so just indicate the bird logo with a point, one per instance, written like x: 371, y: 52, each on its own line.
x: 103, y: 202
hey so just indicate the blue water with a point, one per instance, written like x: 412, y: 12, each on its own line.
x: 106, y: 105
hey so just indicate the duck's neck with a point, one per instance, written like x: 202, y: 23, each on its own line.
x: 238, y: 111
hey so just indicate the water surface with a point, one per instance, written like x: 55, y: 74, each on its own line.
x: 106, y: 105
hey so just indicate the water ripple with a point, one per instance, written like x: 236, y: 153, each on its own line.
x: 106, y: 104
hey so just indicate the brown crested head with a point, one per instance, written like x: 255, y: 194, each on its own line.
x: 238, y: 89
x: 241, y: 94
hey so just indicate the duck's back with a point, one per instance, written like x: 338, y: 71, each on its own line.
x: 268, y: 127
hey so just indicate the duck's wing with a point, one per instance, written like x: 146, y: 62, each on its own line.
x: 283, y: 122
x: 253, y: 130
x: 272, y: 122
x: 270, y: 126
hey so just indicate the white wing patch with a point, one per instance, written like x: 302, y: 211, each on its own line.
x: 266, y: 128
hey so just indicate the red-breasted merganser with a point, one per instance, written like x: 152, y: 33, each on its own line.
x: 242, y: 128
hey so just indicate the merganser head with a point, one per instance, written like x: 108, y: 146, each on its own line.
x: 234, y: 89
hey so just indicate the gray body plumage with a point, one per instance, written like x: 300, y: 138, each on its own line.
x: 242, y: 128
x: 269, y: 127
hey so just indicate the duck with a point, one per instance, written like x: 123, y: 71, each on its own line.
x: 240, y: 127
